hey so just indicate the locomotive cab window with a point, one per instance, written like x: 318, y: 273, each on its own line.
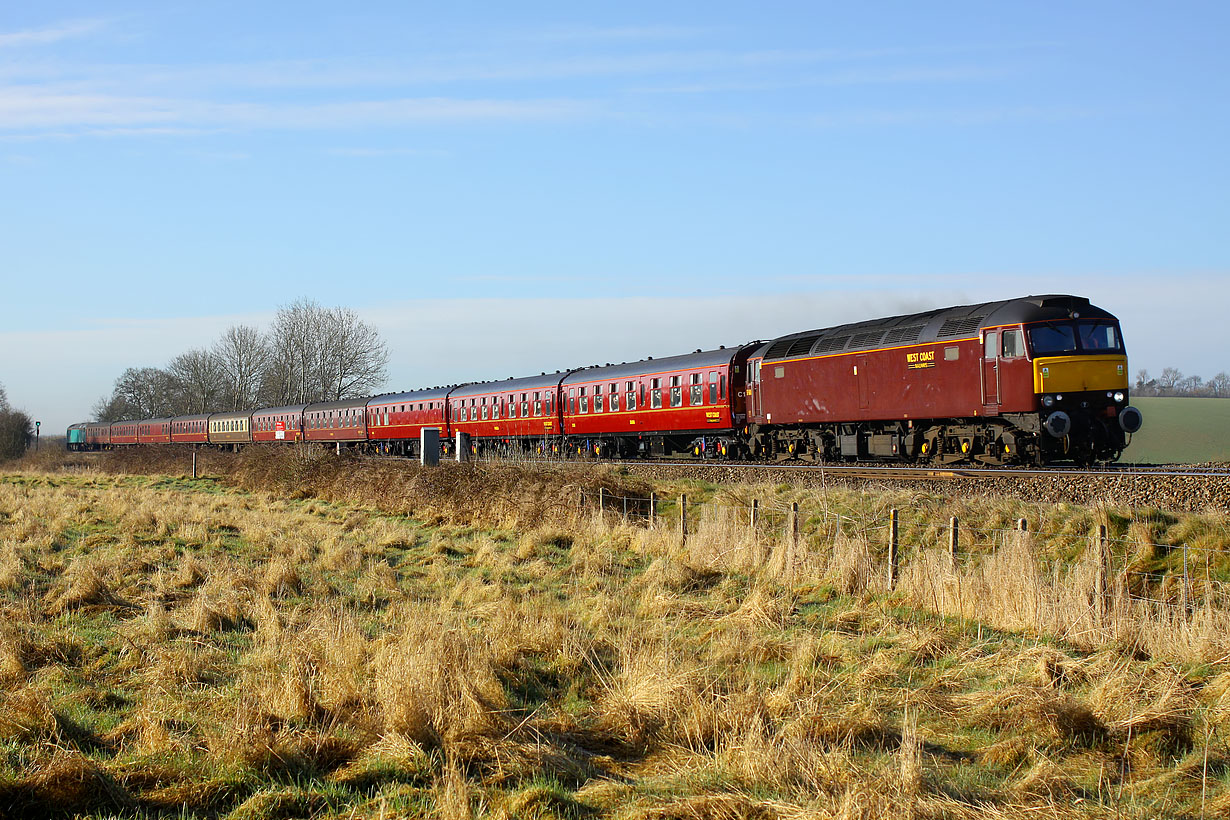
x: 1048, y: 340
x: 1013, y: 345
x: 1098, y: 337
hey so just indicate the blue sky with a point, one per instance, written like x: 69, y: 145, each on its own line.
x: 506, y: 188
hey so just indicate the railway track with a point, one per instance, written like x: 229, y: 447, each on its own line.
x: 907, y: 472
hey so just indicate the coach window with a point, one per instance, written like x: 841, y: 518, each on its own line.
x: 713, y: 387
x: 1013, y: 344
x: 525, y: 406
x: 584, y: 401
x: 631, y: 391
x: 614, y: 398
x: 597, y: 398
x: 484, y: 408
x: 676, y: 391
x: 550, y: 403
x: 655, y: 394
x: 698, y: 392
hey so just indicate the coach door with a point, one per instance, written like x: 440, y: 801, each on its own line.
x: 861, y: 375
x: 990, y: 372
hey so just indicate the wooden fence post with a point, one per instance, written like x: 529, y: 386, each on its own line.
x: 1022, y: 525
x: 1099, y: 591
x: 892, y: 550
x: 602, y: 502
x: 1186, y: 583
x: 580, y: 500
x: 754, y: 516
x: 653, y: 509
x: 683, y: 518
x: 194, y: 462
x: 953, y: 540
x: 794, y: 522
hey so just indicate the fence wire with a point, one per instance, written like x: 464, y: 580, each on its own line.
x: 1177, y: 577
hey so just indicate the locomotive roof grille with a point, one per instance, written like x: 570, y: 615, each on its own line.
x: 779, y: 349
x: 959, y: 326
x: 867, y: 339
x: 903, y: 334
x: 801, y: 346
x: 830, y: 344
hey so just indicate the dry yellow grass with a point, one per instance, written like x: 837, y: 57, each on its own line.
x: 197, y: 648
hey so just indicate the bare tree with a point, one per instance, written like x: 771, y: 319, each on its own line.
x: 323, y: 354
x: 242, y: 356
x: 1220, y: 384
x: 16, y: 429
x: 1189, y: 385
x: 295, y: 339
x: 1170, y: 377
x: 140, y: 392
x: 197, y: 381
x: 354, y: 359
x: 310, y: 354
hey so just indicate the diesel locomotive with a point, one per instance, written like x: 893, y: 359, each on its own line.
x: 1035, y: 380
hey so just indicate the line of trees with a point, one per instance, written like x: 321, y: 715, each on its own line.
x: 310, y: 354
x: 1172, y: 382
x: 16, y: 429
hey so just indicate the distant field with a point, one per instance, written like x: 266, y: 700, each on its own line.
x: 1182, y: 431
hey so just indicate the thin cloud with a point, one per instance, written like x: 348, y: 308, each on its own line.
x: 26, y: 109
x: 50, y: 34
x: 973, y: 116
x: 898, y: 76
x: 572, y: 34
x: 387, y: 152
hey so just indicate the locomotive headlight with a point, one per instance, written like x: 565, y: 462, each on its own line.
x: 1048, y: 401
x: 1119, y: 397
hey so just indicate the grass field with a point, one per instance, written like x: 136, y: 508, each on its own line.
x: 1181, y: 431
x: 462, y: 644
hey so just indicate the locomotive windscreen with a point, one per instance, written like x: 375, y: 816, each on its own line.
x: 1075, y: 337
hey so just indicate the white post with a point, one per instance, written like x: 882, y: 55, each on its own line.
x: 463, y: 446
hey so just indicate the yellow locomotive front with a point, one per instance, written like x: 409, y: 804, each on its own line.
x: 1080, y: 381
